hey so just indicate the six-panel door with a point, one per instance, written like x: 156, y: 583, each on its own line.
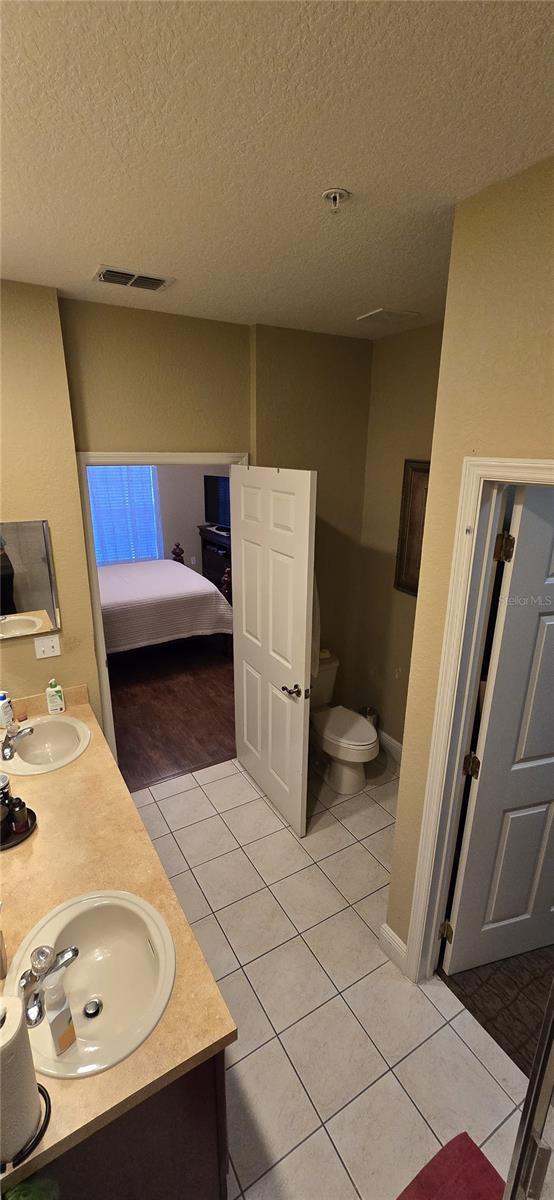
x: 272, y: 541
x: 503, y: 900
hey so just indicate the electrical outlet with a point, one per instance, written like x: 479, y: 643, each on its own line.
x: 47, y: 647
x: 193, y: 560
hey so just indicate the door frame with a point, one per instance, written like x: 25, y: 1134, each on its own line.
x: 124, y: 458
x: 466, y: 609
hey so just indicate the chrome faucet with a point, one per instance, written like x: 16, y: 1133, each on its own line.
x: 13, y: 733
x: 44, y: 962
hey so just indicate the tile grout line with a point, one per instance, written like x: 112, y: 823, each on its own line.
x: 277, y: 1035
x: 338, y: 992
x: 435, y: 1135
x: 388, y: 1069
x: 349, y: 904
x: 484, y: 1065
x: 261, y: 795
x: 283, y: 1157
x: 414, y: 1102
x: 385, y: 1072
x: 500, y: 1126
x: 322, y: 1124
x: 314, y: 863
x: 268, y: 886
x: 427, y: 1038
x: 300, y: 841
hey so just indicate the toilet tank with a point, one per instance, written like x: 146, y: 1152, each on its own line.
x: 323, y: 687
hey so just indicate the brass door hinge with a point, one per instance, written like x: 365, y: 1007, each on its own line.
x: 446, y: 931
x: 504, y: 547
x: 471, y: 765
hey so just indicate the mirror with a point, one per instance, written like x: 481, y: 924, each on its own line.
x: 28, y: 595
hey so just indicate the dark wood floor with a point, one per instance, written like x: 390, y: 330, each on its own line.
x: 173, y: 708
x: 509, y: 999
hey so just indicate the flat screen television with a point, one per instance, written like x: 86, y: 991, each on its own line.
x: 217, y: 501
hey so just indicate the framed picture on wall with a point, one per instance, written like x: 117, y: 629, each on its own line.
x: 412, y: 520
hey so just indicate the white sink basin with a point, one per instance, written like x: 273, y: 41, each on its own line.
x: 18, y: 626
x: 55, y: 742
x: 126, y: 961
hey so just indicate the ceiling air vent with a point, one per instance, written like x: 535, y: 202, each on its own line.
x: 384, y: 316
x: 149, y: 283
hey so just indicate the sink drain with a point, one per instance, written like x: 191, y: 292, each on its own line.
x: 93, y: 1008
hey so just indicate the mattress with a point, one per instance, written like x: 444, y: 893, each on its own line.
x: 158, y: 601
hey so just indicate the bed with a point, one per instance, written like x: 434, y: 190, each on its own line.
x: 146, y: 603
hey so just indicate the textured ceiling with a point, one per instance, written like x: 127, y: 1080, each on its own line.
x: 194, y: 140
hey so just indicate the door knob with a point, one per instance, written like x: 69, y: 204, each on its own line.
x: 293, y: 691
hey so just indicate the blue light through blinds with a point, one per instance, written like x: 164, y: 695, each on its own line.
x: 125, y: 508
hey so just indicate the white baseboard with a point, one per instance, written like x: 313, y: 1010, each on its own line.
x: 389, y: 743
x: 394, y: 947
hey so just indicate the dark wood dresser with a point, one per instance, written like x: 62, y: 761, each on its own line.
x: 216, y: 554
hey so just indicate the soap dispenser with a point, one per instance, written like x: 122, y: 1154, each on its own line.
x: 55, y: 701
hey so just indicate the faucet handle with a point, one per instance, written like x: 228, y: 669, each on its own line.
x: 42, y: 961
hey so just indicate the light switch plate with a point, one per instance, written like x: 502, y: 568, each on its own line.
x: 47, y: 647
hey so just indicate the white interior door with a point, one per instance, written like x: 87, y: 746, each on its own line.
x: 272, y: 546
x: 503, y: 900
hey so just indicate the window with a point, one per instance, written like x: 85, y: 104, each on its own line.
x: 125, y: 507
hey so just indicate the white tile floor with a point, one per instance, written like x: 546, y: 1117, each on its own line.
x: 346, y: 1078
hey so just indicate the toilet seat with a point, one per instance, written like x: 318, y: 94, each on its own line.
x: 344, y: 728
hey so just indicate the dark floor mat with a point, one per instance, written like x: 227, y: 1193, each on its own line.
x: 460, y: 1171
x: 509, y: 999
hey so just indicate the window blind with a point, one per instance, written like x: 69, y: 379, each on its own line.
x: 125, y: 508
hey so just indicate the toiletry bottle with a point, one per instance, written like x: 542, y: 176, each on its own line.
x: 6, y: 710
x: 54, y: 697
x: 5, y: 790
x: 19, y: 816
x: 5, y: 811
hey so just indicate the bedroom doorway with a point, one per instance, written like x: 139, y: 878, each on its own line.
x: 157, y: 531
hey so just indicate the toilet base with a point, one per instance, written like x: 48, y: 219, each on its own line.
x: 345, y: 778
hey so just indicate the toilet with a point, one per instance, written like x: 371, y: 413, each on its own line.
x: 348, y: 739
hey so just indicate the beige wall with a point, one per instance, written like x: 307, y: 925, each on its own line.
x: 181, y: 490
x: 311, y: 394
x: 495, y: 398
x: 140, y: 380
x: 152, y: 381
x: 39, y: 481
x: 404, y: 375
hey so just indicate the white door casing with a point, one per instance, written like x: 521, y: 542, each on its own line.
x: 503, y: 903
x: 272, y: 546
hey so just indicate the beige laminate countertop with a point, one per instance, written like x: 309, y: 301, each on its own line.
x: 90, y: 837
x: 41, y: 615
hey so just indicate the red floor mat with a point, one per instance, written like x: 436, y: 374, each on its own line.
x: 460, y: 1171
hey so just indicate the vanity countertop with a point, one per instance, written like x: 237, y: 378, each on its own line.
x: 90, y: 837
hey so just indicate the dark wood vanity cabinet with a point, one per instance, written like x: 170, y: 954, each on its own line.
x: 172, y: 1145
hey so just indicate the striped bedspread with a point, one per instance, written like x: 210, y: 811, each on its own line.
x: 149, y: 602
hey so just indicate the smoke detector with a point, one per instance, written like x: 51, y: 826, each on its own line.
x: 336, y: 196
x: 133, y: 279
